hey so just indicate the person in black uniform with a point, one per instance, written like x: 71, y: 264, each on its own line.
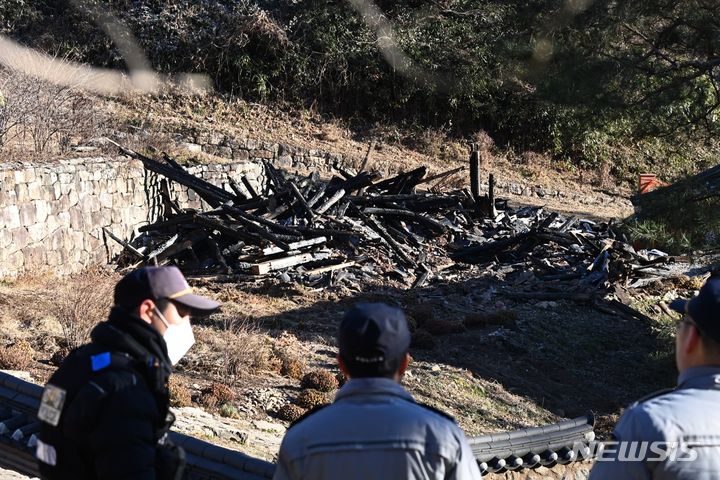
x: 105, y: 411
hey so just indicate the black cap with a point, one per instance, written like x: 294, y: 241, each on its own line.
x: 704, y: 309
x: 155, y: 283
x: 373, y: 337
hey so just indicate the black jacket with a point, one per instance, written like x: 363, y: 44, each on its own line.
x: 115, y: 413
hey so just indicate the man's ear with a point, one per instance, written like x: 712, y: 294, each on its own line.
x: 404, y: 364
x: 146, y: 310
x: 692, y: 340
x: 343, y: 367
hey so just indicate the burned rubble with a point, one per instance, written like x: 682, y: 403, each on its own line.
x: 357, y: 227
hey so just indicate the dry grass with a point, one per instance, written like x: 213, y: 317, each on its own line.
x: 82, y: 302
x: 180, y: 395
x: 236, y: 349
x: 18, y: 356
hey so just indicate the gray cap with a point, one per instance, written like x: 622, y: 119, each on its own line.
x: 156, y: 283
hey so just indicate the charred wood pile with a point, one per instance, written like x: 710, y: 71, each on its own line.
x: 356, y: 227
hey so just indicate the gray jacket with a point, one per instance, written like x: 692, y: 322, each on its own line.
x: 687, y: 422
x: 375, y: 430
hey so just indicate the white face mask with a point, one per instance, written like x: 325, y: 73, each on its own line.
x: 178, y: 338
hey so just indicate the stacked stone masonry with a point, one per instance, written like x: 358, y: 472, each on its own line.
x: 52, y: 215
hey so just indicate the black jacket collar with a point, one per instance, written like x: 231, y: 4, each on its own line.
x: 125, y: 332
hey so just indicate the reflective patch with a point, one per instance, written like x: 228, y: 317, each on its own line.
x: 100, y: 361
x: 46, y: 453
x: 51, y: 405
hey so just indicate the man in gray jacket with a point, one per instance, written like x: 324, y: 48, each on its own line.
x: 675, y: 434
x: 374, y: 429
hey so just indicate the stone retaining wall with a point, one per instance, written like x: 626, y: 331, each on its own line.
x: 52, y: 215
x: 243, y: 150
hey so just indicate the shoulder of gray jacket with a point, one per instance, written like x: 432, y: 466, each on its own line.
x: 650, y: 396
x: 437, y: 410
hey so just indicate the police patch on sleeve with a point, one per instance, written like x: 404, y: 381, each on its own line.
x: 51, y: 405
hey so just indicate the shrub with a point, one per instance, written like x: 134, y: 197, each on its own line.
x: 421, y: 313
x: 208, y: 401
x: 216, y: 394
x: 422, y: 339
x: 312, y: 398
x: 59, y: 356
x: 49, y: 114
x: 290, y: 412
x: 229, y: 410
x: 179, y: 394
x: 222, y: 392
x: 322, y: 380
x: 18, y: 356
x: 292, y: 368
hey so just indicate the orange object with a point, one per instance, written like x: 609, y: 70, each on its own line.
x: 648, y: 182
